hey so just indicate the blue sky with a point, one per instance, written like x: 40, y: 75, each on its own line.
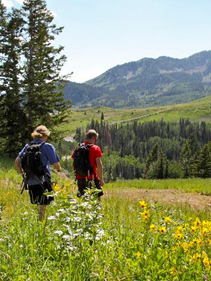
x: 100, y: 34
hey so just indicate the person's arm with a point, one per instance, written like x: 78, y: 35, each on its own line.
x: 51, y: 155
x: 18, y: 165
x: 57, y: 166
x: 100, y: 170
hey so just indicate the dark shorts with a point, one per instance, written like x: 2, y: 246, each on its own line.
x: 84, y: 185
x: 37, y: 196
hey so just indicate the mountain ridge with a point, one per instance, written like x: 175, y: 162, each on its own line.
x: 146, y: 82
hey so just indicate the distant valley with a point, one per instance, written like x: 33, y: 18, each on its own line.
x: 145, y: 83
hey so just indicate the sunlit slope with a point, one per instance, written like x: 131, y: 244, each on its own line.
x: 196, y: 111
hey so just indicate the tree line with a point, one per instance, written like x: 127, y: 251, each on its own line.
x: 30, y: 82
x: 155, y: 149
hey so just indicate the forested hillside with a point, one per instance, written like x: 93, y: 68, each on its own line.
x: 147, y: 82
x: 155, y: 149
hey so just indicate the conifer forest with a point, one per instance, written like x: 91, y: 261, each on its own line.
x: 154, y: 149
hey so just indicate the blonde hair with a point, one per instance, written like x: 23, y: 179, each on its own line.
x: 40, y: 131
x: 91, y: 133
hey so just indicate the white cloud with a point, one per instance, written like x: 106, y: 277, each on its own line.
x: 7, y: 3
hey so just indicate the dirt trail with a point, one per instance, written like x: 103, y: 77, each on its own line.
x: 194, y: 200
x: 143, y: 116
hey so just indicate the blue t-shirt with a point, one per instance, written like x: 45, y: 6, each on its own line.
x: 48, y: 157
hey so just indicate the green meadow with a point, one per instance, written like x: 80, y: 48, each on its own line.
x: 195, y: 111
x: 120, y: 238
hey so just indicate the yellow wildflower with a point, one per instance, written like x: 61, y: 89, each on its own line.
x: 193, y: 229
x: 152, y: 227
x: 180, y: 229
x: 145, y: 213
x: 138, y: 255
x: 204, y: 231
x: 145, y: 216
x: 197, y: 222
x: 206, y: 262
x: 162, y: 229
x: 199, y: 242
x: 167, y: 219
x: 178, y: 235
x: 195, y: 257
x: 174, y: 249
x: 204, y: 254
x: 185, y: 246
x: 198, y: 256
x: 56, y: 187
x: 143, y: 204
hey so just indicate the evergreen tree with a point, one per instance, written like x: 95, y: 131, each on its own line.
x: 204, y: 161
x: 194, y: 148
x: 11, y: 113
x: 185, y: 160
x: 30, y: 85
x: 102, y: 116
x: 43, y: 98
x: 156, y: 164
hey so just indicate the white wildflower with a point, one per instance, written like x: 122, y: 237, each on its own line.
x: 59, y: 232
x: 51, y: 218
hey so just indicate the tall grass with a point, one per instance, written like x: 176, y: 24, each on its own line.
x: 117, y: 239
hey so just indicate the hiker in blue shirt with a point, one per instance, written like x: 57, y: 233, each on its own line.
x: 37, y: 185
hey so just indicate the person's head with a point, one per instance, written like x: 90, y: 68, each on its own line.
x: 40, y: 132
x: 92, y: 136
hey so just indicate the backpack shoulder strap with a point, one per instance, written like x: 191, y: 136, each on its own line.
x: 89, y: 145
x: 39, y: 144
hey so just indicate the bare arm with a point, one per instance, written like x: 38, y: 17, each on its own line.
x: 57, y: 166
x: 100, y: 170
x: 18, y: 165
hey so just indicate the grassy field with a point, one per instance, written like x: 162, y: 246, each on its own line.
x: 143, y: 230
x: 196, y: 111
x: 202, y: 186
x: 122, y: 238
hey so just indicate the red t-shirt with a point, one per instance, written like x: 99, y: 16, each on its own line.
x: 94, y: 152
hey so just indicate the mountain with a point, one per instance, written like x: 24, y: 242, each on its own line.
x: 147, y: 82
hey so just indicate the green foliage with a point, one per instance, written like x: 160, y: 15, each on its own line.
x: 44, y: 102
x: 31, y: 89
x: 155, y: 149
x: 11, y: 114
x: 156, y: 164
x: 204, y: 161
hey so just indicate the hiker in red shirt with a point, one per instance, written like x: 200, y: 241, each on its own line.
x: 96, y: 175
